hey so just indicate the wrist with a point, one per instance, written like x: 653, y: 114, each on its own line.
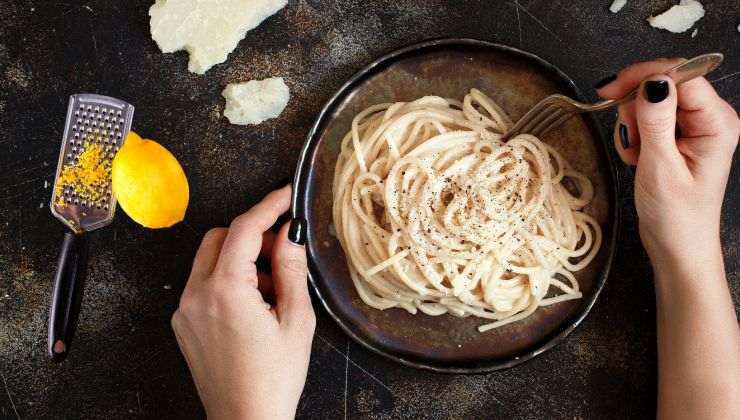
x: 245, y: 410
x: 682, y: 246
x: 700, y: 260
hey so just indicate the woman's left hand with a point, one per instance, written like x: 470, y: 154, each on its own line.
x: 248, y: 358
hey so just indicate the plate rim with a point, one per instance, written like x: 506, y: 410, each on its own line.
x: 300, y: 190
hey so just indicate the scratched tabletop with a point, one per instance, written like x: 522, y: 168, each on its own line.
x: 125, y: 362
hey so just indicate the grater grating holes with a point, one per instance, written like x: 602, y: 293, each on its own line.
x: 92, y: 124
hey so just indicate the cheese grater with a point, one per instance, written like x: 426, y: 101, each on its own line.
x: 91, y: 120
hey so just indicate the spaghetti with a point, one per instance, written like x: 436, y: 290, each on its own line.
x: 437, y: 214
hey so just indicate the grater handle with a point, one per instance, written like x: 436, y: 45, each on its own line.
x: 69, y: 283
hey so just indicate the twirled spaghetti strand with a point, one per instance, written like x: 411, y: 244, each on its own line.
x: 436, y: 214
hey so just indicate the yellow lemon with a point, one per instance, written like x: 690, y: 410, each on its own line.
x: 149, y: 183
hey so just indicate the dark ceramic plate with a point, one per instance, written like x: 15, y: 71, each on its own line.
x: 449, y: 68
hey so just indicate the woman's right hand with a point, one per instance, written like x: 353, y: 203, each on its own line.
x: 682, y: 139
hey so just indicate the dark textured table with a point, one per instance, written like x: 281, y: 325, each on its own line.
x: 125, y: 362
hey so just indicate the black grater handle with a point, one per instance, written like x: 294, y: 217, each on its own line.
x: 69, y: 283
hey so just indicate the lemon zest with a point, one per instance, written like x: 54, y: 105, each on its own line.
x: 88, y: 176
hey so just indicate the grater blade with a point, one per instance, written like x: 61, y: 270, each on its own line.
x: 91, y: 120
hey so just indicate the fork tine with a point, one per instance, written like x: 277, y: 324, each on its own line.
x: 547, y: 110
x: 525, y: 119
x: 553, y: 116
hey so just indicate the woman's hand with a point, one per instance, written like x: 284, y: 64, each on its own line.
x: 248, y: 358
x: 682, y: 139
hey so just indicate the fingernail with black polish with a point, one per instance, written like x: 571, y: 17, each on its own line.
x: 624, y: 136
x: 605, y: 81
x: 656, y: 90
x: 297, y: 231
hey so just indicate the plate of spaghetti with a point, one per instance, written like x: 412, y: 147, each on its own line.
x: 433, y: 241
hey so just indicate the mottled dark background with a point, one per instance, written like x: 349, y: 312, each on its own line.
x: 125, y: 362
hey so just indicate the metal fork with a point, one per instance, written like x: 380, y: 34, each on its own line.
x: 554, y: 110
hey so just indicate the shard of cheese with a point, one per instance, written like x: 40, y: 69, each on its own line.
x: 679, y: 18
x: 255, y: 101
x: 207, y: 29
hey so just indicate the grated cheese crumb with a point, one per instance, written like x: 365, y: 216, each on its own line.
x: 617, y: 5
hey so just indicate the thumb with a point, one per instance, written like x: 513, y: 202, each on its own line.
x: 289, y: 275
x: 655, y: 109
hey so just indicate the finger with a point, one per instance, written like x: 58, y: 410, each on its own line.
x: 623, y: 137
x: 268, y: 239
x: 207, y: 255
x: 655, y: 109
x: 697, y: 94
x: 708, y: 153
x: 244, y: 241
x: 627, y: 116
x: 289, y: 275
x: 630, y: 77
x: 701, y: 109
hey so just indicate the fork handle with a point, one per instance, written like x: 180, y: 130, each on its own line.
x: 689, y: 69
x: 69, y: 282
